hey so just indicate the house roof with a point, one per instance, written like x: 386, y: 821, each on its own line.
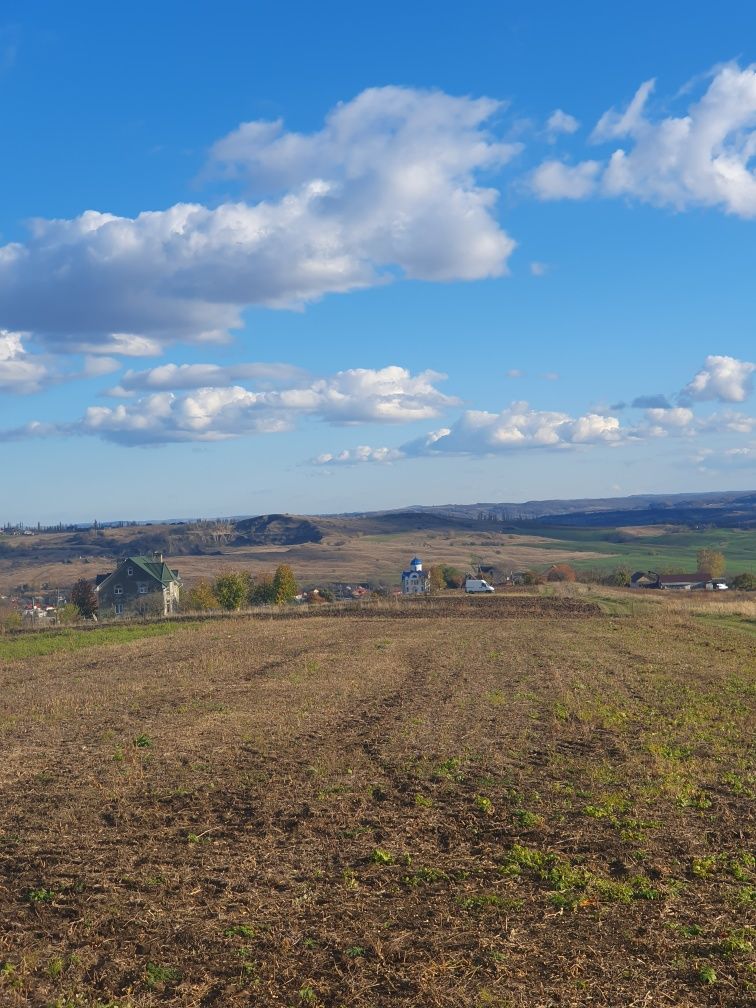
x: 156, y: 569
x: 695, y: 578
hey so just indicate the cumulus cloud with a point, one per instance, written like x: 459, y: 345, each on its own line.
x: 663, y: 420
x: 516, y: 428
x: 388, y: 187
x: 722, y: 378
x: 218, y: 413
x: 554, y: 180
x: 561, y: 122
x: 19, y: 372
x: 700, y: 158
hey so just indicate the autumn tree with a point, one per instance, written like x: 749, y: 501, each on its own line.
x: 285, y: 584
x: 561, y: 572
x: 261, y: 590
x: 453, y: 577
x: 437, y: 579
x: 202, y: 597
x: 711, y: 562
x: 84, y: 597
x: 231, y: 589
x: 619, y: 577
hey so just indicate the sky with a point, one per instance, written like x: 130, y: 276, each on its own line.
x: 334, y: 257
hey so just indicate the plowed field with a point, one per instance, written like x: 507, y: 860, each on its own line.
x: 550, y: 809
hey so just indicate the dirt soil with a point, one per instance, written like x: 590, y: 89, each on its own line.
x: 552, y: 809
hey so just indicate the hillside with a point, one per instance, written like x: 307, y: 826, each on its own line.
x: 548, y: 806
x: 372, y: 547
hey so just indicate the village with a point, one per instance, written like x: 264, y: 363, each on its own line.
x: 143, y: 586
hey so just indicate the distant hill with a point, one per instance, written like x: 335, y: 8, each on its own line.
x: 729, y: 509
x: 276, y: 530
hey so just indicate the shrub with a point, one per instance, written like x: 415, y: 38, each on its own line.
x: 744, y: 582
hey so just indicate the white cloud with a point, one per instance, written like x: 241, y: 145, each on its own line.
x: 700, y: 158
x: 515, y: 373
x: 722, y: 378
x: 661, y: 422
x: 358, y: 455
x: 192, y: 376
x: 518, y: 427
x: 553, y: 180
x: 728, y: 422
x: 19, y: 372
x: 539, y: 269
x: 561, y: 122
x: 217, y: 413
x: 388, y: 187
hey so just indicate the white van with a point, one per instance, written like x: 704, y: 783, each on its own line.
x: 475, y: 585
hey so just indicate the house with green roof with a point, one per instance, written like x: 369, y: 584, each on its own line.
x: 139, y: 586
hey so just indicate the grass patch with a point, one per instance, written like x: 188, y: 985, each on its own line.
x: 35, y: 645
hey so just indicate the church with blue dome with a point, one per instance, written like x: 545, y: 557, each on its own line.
x: 415, y: 581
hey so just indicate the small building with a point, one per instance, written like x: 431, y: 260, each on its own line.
x: 698, y: 581
x: 140, y: 585
x: 415, y: 581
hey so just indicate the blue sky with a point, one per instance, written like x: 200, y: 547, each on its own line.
x: 333, y: 257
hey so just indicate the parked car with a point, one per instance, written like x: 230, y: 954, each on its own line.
x: 474, y: 586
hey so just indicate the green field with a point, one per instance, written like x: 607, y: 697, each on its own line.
x: 673, y: 551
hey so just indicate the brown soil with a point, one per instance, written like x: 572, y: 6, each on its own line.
x: 381, y: 813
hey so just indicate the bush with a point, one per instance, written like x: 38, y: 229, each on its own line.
x: 437, y: 579
x: 68, y: 614
x: 744, y: 582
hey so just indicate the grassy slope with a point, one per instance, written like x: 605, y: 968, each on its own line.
x: 675, y: 549
x: 436, y: 813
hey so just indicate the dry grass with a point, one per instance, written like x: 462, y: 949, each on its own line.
x: 533, y: 810
x: 339, y: 557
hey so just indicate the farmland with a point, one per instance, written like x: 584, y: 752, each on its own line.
x: 369, y: 548
x: 518, y: 802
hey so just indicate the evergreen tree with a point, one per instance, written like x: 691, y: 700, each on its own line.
x: 84, y: 597
x: 284, y: 584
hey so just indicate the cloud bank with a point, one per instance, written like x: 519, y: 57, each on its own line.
x: 701, y: 158
x: 389, y: 187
